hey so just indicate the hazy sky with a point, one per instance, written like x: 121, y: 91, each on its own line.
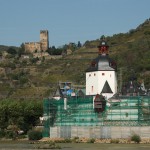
x: 68, y: 20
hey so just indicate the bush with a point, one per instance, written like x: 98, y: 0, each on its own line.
x: 114, y: 141
x: 11, y: 135
x: 136, y: 138
x: 91, y: 140
x: 67, y: 140
x: 76, y: 140
x: 2, y: 133
x: 34, y: 135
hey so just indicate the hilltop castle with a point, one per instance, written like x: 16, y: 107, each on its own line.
x: 43, y: 45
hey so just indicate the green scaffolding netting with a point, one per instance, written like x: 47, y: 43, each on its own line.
x: 75, y: 111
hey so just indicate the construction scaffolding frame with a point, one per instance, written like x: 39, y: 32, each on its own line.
x: 77, y: 111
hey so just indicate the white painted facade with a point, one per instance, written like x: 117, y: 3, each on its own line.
x: 95, y: 82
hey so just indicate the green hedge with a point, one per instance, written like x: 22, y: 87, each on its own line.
x: 34, y: 135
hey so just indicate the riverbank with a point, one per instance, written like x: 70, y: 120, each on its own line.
x: 92, y: 140
x: 27, y: 145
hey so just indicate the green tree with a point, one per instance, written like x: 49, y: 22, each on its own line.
x: 12, y: 51
x: 32, y: 112
x: 21, y: 50
x: 21, y: 114
x: 3, y: 115
x: 79, y: 44
x: 15, y: 113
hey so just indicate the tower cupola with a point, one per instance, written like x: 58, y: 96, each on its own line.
x: 103, y: 47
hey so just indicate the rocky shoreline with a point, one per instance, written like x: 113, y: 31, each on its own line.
x: 92, y: 140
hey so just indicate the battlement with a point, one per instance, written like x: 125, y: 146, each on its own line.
x: 44, y: 31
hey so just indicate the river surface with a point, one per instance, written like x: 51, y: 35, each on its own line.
x: 15, y: 145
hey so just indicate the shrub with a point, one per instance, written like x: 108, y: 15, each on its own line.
x: 60, y: 141
x: 136, y: 138
x: 22, y: 136
x: 91, y: 140
x: 114, y: 141
x: 2, y: 133
x: 76, y: 140
x: 11, y: 135
x: 34, y: 135
x: 67, y: 140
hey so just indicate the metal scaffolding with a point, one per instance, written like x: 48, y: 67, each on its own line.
x: 76, y: 111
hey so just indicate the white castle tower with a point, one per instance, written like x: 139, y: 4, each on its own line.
x: 101, y: 76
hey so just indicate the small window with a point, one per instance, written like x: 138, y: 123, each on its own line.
x: 89, y: 75
x: 92, y: 89
x: 103, y: 74
x: 93, y: 64
x: 94, y: 74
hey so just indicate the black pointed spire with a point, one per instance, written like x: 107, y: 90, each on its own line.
x: 106, y: 88
x: 58, y: 93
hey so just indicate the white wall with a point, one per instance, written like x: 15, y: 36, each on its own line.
x: 95, y: 82
x: 92, y: 83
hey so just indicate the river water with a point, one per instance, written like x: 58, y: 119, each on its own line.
x: 15, y: 145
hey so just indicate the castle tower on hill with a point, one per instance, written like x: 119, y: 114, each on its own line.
x: 44, y: 40
x: 43, y: 45
x: 101, y: 77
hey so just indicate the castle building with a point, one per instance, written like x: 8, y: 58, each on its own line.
x: 44, y: 40
x: 43, y: 45
x: 101, y: 77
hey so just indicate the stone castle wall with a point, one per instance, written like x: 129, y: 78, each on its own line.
x: 32, y: 47
x: 43, y: 45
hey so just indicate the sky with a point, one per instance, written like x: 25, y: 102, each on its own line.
x: 68, y: 20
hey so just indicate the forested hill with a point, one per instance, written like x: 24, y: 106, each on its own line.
x: 31, y: 79
x: 5, y: 48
